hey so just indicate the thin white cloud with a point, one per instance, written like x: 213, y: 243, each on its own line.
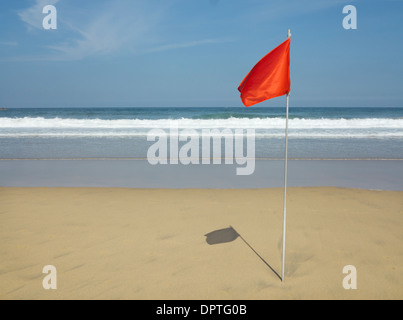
x: 187, y: 44
x: 9, y: 43
x: 105, y: 33
x: 33, y: 15
x: 107, y: 28
x: 113, y: 27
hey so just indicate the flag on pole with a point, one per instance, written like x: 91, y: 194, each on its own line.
x: 270, y: 77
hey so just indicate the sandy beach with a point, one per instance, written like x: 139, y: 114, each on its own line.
x: 151, y: 244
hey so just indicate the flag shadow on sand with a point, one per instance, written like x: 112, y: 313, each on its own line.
x: 229, y: 235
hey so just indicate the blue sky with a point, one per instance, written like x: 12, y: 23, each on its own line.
x: 195, y: 53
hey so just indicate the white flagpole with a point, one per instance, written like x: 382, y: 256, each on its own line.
x: 285, y: 180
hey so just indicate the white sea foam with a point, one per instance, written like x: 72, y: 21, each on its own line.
x: 258, y: 135
x: 265, y: 127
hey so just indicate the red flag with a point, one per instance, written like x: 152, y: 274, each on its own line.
x: 270, y: 77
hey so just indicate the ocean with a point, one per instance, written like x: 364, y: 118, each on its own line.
x: 121, y: 133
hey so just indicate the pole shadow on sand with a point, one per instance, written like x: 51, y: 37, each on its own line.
x: 230, y: 235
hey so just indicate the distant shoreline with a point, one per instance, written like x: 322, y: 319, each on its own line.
x: 145, y: 159
x: 217, y: 107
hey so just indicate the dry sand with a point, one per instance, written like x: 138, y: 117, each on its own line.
x: 151, y: 244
